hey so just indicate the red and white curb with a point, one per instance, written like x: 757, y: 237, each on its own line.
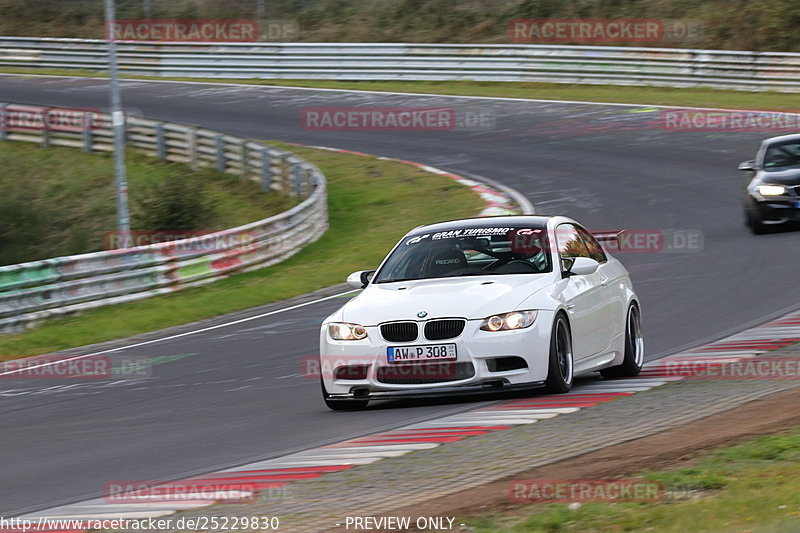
x: 497, y: 202
x: 277, y: 473
x: 773, y: 335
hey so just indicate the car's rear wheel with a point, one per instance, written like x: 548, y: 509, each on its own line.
x: 341, y: 405
x: 560, y: 367
x: 634, y: 347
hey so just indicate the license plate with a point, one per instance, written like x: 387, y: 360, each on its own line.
x: 428, y: 352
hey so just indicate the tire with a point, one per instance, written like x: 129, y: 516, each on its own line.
x: 341, y: 405
x: 634, y: 347
x: 752, y: 220
x: 560, y: 365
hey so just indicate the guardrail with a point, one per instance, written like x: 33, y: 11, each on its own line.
x: 672, y: 67
x: 34, y: 291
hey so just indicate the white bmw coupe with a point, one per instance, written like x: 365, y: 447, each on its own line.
x: 483, y: 304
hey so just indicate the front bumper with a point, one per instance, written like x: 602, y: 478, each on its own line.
x: 491, y: 386
x: 476, y: 369
x: 775, y: 209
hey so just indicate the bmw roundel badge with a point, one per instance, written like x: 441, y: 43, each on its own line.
x: 422, y: 314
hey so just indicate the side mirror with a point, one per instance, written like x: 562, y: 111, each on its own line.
x: 580, y: 266
x: 747, y: 165
x: 360, y: 279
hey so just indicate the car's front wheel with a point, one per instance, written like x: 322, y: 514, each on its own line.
x: 341, y: 405
x: 560, y: 367
x: 634, y: 347
x: 754, y: 221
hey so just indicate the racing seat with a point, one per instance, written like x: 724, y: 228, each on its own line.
x: 444, y: 260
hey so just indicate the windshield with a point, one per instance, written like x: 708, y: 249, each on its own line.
x: 468, y: 251
x: 780, y: 155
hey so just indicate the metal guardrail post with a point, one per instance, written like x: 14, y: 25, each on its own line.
x: 86, y: 134
x: 296, y: 178
x: 266, y: 171
x: 191, y: 147
x: 284, y: 173
x: 308, y: 181
x: 243, y: 152
x: 219, y: 145
x: 161, y: 145
x: 3, y: 121
x: 45, y: 131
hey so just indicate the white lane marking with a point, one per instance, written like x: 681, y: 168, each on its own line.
x: 376, y: 449
x: 365, y: 91
x: 715, y: 356
x: 179, y: 335
x: 82, y: 509
x: 632, y: 388
x: 510, y: 421
x: 540, y: 410
x: 476, y: 421
x: 352, y: 451
x: 334, y: 460
x: 329, y: 462
x: 317, y: 455
x: 488, y: 416
x: 528, y: 413
x: 357, y: 443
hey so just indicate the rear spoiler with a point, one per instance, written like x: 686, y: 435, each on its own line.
x: 612, y: 238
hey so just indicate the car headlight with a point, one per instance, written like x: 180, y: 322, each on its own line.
x: 771, y: 190
x: 507, y: 321
x: 342, y: 331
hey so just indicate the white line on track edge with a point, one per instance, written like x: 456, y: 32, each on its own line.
x: 178, y: 335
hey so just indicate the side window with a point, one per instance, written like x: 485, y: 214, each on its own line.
x: 570, y: 243
x: 595, y: 248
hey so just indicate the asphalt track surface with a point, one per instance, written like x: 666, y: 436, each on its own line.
x: 235, y: 394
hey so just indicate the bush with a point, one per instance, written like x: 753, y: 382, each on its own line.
x: 180, y: 202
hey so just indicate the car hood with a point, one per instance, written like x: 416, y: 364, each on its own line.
x: 788, y: 177
x: 468, y: 297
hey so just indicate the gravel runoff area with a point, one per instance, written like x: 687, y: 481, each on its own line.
x: 427, y: 475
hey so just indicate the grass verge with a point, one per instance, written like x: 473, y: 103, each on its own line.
x: 372, y: 203
x: 749, y: 487
x: 768, y: 100
x: 59, y: 201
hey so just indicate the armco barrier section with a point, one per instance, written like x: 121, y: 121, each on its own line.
x: 34, y: 291
x: 671, y: 67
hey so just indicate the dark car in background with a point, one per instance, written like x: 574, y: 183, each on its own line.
x: 772, y: 195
